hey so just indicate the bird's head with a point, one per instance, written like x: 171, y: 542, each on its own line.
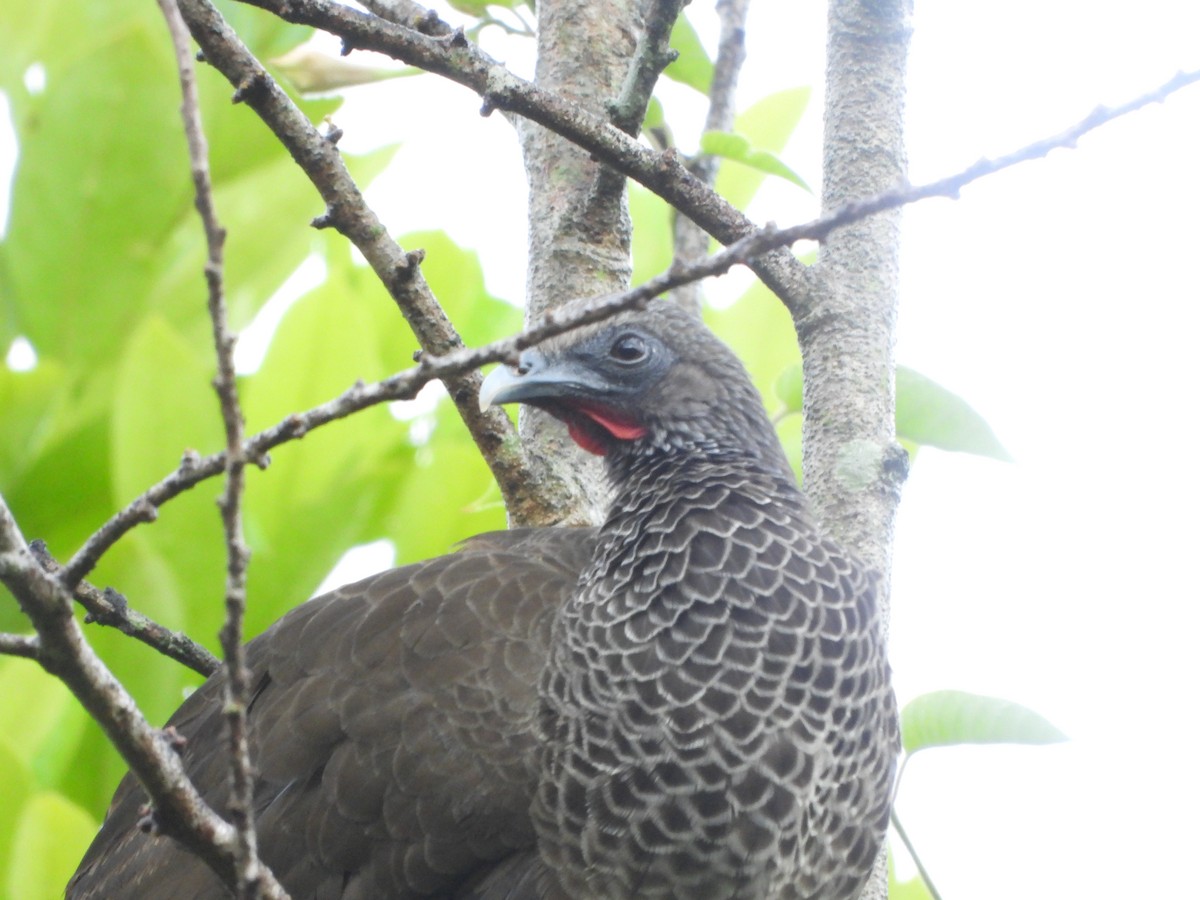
x: 644, y: 379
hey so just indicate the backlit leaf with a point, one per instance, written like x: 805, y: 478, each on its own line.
x: 737, y: 148
x: 927, y: 413
x: 946, y: 718
x: 693, y: 67
x: 767, y: 126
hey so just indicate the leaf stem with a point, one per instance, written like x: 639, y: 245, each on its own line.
x: 912, y: 852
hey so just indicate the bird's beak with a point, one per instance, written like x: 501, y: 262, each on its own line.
x: 535, y: 379
x: 568, y: 391
x: 496, y: 386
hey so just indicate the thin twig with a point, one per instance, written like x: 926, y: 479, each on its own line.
x: 731, y: 56
x: 179, y: 810
x: 691, y: 241
x: 410, y: 15
x: 111, y: 609
x: 456, y: 58
x: 404, y: 385
x: 24, y: 645
x: 241, y: 805
x: 912, y: 852
x: 664, y: 173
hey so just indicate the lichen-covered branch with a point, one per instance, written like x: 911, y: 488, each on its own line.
x: 853, y: 467
x: 653, y: 54
x: 579, y: 230
x: 410, y: 15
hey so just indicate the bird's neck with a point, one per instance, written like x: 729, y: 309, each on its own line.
x: 679, y: 618
x: 644, y: 473
x: 662, y: 502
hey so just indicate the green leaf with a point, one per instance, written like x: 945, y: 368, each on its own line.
x: 693, y: 67
x: 736, y: 147
x: 90, y: 248
x: 34, y: 405
x: 791, y: 434
x: 62, y: 494
x: 767, y: 126
x: 655, y: 118
x: 264, y: 33
x: 946, y: 718
x: 53, y: 32
x: 127, y: 226
x: 789, y: 388
x: 927, y: 413
x: 653, y: 234
x: 345, y: 330
x: 310, y: 70
x: 759, y: 329
x: 18, y: 787
x: 40, y: 722
x: 438, y: 504
x: 251, y: 171
x: 321, y: 495
x: 455, y: 276
x: 51, y: 836
x: 163, y: 405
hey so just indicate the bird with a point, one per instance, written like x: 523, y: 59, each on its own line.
x: 691, y: 700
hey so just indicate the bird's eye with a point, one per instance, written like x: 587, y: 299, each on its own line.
x: 628, y: 348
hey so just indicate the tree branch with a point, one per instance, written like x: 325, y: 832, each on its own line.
x: 951, y: 186
x: 405, y: 385
x: 912, y: 852
x: 110, y: 608
x: 24, y: 645
x: 347, y: 211
x: 653, y: 54
x: 248, y: 868
x: 152, y: 756
x: 852, y: 464
x: 410, y: 15
x: 455, y: 58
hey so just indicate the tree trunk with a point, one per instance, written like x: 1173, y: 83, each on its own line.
x: 579, y: 228
x: 853, y: 467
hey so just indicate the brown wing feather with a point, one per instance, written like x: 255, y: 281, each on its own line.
x: 393, y: 730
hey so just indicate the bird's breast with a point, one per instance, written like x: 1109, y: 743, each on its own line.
x: 689, y: 706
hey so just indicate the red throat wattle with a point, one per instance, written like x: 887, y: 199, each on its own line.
x: 620, y: 428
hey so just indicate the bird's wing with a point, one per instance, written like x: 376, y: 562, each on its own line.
x: 392, y: 727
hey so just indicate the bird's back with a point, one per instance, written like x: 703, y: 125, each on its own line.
x: 392, y: 728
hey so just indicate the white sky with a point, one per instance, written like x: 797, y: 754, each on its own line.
x: 1061, y: 300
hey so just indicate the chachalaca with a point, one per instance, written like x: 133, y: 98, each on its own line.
x: 691, y: 701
